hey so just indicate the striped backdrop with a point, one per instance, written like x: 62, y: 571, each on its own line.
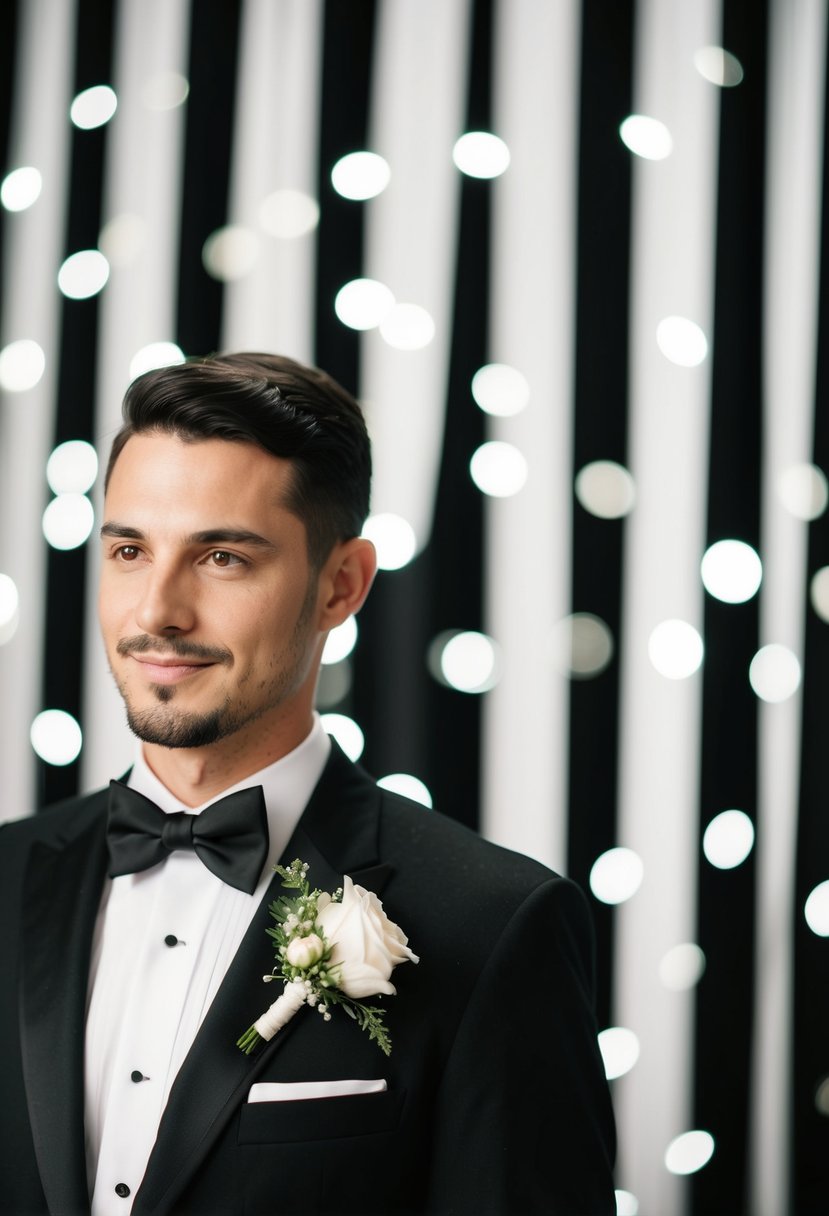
x: 563, y: 268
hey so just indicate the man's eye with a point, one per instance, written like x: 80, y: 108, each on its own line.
x: 220, y: 557
x: 127, y: 553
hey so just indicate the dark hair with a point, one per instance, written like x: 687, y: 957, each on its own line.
x: 295, y: 412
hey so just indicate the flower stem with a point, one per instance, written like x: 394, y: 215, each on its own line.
x: 249, y: 1040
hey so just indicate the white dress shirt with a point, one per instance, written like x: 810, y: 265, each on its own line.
x: 163, y: 942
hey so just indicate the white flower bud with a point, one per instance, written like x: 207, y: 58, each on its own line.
x: 305, y: 951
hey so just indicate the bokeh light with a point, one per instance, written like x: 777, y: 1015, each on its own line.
x: 774, y: 673
x: 616, y: 875
x: 626, y: 1203
x: 393, y: 537
x: 581, y: 645
x: 646, y: 137
x: 21, y: 188
x: 288, y: 214
x: 83, y: 274
x: 500, y: 390
x: 819, y: 592
x: 153, y: 355
x: 682, y: 966
x: 718, y: 66
x: 689, y: 1152
x: 22, y: 364
x: 165, y: 91
x: 230, y: 253
x: 360, y: 175
x: 803, y: 491
x: 605, y: 489
x: 731, y: 571
x: 681, y: 341
x: 68, y: 521
x: 407, y: 327
x: 465, y: 660
x: 728, y: 839
x: 816, y: 909
x: 72, y: 467
x: 498, y: 469
x: 340, y: 641
x: 675, y: 648
x: 347, y: 733
x: 93, y: 107
x: 481, y: 154
x: 408, y: 786
x: 620, y: 1050
x: 56, y: 737
x: 363, y: 303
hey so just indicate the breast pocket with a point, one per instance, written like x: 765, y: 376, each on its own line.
x: 320, y: 1118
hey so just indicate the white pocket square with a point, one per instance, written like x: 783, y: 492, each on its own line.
x: 293, y: 1091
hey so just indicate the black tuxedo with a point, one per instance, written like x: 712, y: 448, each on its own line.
x: 496, y: 1099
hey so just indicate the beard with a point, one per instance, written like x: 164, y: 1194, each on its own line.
x: 176, y: 728
x: 168, y: 726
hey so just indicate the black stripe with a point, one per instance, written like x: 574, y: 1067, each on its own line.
x: 347, y: 58
x: 600, y: 433
x: 728, y: 775
x: 214, y: 41
x: 75, y: 415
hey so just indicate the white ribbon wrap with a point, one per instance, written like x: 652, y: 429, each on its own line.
x: 282, y: 1010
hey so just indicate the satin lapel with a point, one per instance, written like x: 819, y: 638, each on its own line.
x: 337, y: 835
x: 62, y: 888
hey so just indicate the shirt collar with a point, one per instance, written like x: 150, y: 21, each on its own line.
x: 287, y: 785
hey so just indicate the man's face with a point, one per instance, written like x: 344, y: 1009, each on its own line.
x: 208, y: 604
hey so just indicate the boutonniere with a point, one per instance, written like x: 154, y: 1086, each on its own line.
x: 331, y: 949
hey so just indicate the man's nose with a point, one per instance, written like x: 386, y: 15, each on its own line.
x: 167, y: 604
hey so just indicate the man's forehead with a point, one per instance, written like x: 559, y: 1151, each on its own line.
x: 198, y: 486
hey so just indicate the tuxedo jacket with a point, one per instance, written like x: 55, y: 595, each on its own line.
x: 496, y: 1099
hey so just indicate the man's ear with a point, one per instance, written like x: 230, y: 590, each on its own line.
x: 345, y: 581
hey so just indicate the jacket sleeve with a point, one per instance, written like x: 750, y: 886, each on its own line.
x: 524, y: 1118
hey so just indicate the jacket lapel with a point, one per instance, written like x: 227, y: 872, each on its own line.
x: 336, y: 835
x: 62, y: 883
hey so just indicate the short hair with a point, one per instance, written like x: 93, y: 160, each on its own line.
x: 295, y: 412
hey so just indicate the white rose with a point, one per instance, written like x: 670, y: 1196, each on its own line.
x: 366, y: 945
x: 305, y: 951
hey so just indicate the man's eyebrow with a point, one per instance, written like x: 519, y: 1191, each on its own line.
x: 121, y: 530
x: 210, y: 536
x: 229, y: 536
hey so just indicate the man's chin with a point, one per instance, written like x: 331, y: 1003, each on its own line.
x: 177, y: 728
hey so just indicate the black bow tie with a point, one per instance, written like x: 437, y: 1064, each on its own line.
x: 230, y: 837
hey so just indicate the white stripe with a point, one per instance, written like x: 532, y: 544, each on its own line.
x: 33, y: 251
x: 275, y: 148
x: 672, y: 269
x: 797, y: 38
x: 143, y: 179
x: 411, y: 242
x: 532, y: 320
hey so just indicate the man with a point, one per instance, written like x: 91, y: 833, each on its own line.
x: 133, y: 960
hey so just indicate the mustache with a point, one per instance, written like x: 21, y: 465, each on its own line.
x: 176, y: 647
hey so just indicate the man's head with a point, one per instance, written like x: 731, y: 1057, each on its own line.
x: 235, y: 494
x: 292, y: 411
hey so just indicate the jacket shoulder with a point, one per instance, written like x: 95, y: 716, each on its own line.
x: 55, y: 822
x: 442, y: 854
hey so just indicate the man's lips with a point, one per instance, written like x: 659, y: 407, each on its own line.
x: 169, y: 670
